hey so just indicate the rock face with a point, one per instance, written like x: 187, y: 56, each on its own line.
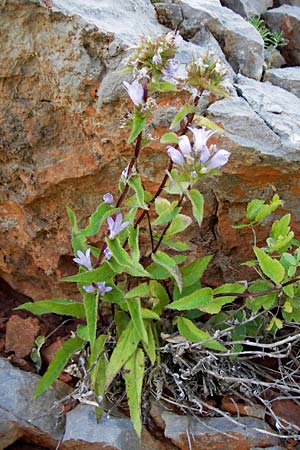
x: 60, y: 143
x: 248, y: 8
x: 286, y: 19
x: 217, y: 433
x: 287, y: 78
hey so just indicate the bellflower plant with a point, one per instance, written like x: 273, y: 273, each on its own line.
x: 141, y: 286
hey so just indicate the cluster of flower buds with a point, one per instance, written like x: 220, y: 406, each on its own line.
x: 84, y: 260
x: 206, y: 73
x: 153, y: 55
x: 197, y: 159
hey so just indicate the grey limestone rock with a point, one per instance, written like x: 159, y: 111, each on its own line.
x: 286, y: 19
x: 279, y: 109
x: 248, y: 8
x: 111, y: 433
x: 287, y: 78
x: 240, y: 42
x: 215, y: 432
x: 287, y: 2
x: 20, y: 414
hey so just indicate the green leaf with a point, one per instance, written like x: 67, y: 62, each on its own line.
x: 142, y: 290
x: 35, y: 354
x: 252, y: 209
x: 265, y: 301
x: 133, y: 376
x: 215, y: 306
x: 134, y: 306
x: 149, y: 314
x: 193, y: 272
x: 150, y: 348
x: 103, y: 273
x: 202, y: 121
x: 160, y: 297
x: 179, y: 224
x: 269, y: 266
x: 121, y: 320
x: 62, y: 306
x: 126, y: 346
x: 97, y: 218
x: 185, y: 111
x: 133, y: 242
x: 98, y: 371
x: 139, y: 121
x: 175, y: 245
x: 59, y: 361
x: 78, y: 241
x: 169, y: 138
x: 124, y: 260
x: 197, y: 299
x: 162, y: 86
x: 188, y: 330
x: 90, y: 302
x: 281, y: 227
x: 159, y: 273
x: 82, y: 331
x: 135, y: 183
x: 187, y: 290
x: 168, y: 263
x: 197, y: 201
x: 166, y: 211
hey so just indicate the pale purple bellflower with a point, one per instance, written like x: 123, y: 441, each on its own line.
x: 170, y: 72
x: 108, y: 198
x: 116, y: 226
x: 101, y: 287
x: 199, y: 154
x: 107, y: 253
x: 135, y: 91
x: 84, y: 259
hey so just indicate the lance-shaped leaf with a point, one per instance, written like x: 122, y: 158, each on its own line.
x: 159, y: 273
x: 126, y: 346
x: 133, y: 376
x: 138, y: 125
x: 78, y: 241
x: 161, y: 298
x: 135, y: 183
x: 97, y: 218
x: 168, y: 263
x: 193, y: 272
x: 103, y: 273
x: 150, y: 348
x: 142, y: 290
x: 202, y: 121
x: 188, y: 330
x: 62, y: 306
x: 133, y: 242
x: 197, y: 201
x: 216, y: 304
x: 124, y: 259
x: 90, y: 302
x: 185, y: 110
x: 59, y: 361
x: 162, y: 86
x: 197, y: 299
x: 134, y: 306
x: 269, y: 266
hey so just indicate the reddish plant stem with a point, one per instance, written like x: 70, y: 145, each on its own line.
x: 258, y: 294
x: 190, y: 118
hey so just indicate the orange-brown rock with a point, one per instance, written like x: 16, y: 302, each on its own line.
x: 20, y: 335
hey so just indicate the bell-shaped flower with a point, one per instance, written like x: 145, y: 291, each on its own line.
x: 201, y: 136
x: 175, y: 155
x: 115, y: 226
x: 84, y: 259
x: 170, y: 72
x: 135, y: 91
x: 185, y: 145
x: 107, y: 253
x: 108, y: 198
x: 101, y: 287
x: 219, y: 159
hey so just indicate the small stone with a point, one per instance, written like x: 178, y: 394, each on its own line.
x: 234, y: 406
x: 214, y: 433
x: 48, y: 353
x: 287, y: 411
x: 20, y: 335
